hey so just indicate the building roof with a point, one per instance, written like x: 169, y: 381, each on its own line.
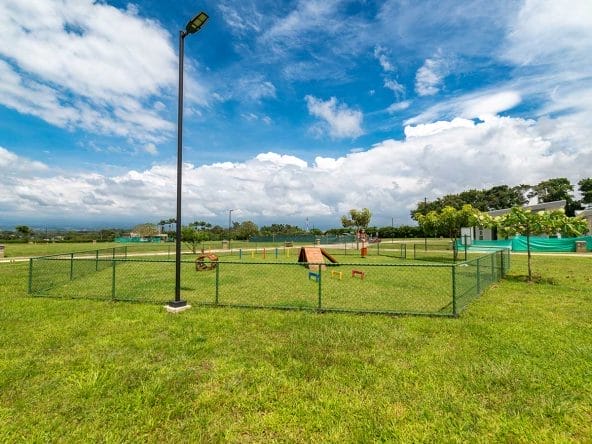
x: 545, y: 206
x: 586, y: 212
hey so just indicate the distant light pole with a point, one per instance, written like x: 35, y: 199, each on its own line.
x: 230, y: 223
x: 194, y: 25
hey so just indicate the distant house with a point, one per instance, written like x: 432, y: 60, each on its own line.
x: 477, y: 233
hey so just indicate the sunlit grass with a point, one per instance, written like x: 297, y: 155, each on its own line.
x: 515, y: 367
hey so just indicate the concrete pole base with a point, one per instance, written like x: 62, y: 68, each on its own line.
x: 177, y: 309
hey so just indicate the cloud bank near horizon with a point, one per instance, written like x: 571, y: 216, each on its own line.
x: 389, y: 178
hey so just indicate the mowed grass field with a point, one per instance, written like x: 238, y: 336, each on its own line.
x: 515, y: 367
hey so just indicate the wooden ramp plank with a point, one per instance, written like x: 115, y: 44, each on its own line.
x: 328, y: 256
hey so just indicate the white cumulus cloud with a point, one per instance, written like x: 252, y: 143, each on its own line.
x: 389, y: 177
x: 430, y: 76
x: 340, y: 121
x: 75, y: 67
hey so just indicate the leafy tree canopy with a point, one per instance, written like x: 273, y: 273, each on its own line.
x: 146, y: 230
x: 450, y: 220
x: 280, y: 229
x: 496, y: 198
x: 245, y: 229
x: 585, y: 187
x: 357, y: 218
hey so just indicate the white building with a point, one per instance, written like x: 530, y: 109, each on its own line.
x: 477, y: 233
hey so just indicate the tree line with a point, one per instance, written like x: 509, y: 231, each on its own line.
x: 503, y: 196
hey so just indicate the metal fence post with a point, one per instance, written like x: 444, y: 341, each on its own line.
x: 493, y: 273
x: 30, y: 275
x: 320, y: 288
x: 466, y: 247
x: 454, y: 310
x: 71, y: 266
x: 113, y: 278
x: 478, y: 278
x: 217, y: 283
x: 97, y: 260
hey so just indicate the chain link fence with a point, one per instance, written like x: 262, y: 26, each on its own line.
x: 398, y: 287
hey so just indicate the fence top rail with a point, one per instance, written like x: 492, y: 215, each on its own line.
x: 155, y: 261
x: 79, y: 252
x: 477, y: 259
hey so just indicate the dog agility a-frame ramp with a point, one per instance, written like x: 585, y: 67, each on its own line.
x: 315, y: 257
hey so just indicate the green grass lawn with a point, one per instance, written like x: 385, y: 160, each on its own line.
x: 515, y: 367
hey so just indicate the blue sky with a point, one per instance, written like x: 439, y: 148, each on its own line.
x: 293, y: 109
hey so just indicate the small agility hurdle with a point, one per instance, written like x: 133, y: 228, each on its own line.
x: 313, y: 275
x: 337, y: 273
x: 359, y: 273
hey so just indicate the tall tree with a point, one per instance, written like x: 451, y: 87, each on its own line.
x: 585, y: 187
x: 502, y: 196
x: 245, y: 229
x: 23, y: 231
x: 552, y: 190
x: 359, y: 219
x: 193, y: 237
x: 450, y: 220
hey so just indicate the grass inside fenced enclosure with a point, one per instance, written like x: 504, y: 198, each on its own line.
x: 253, y: 283
x: 270, y: 278
x: 168, y: 248
x: 514, y: 368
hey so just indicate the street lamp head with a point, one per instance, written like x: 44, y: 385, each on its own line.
x: 196, y: 23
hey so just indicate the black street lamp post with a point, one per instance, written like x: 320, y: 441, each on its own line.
x: 194, y: 25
